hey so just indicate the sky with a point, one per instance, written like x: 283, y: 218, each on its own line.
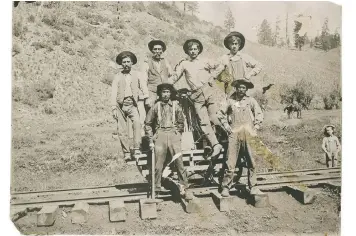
x: 249, y: 15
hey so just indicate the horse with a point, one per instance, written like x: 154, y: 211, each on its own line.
x: 291, y: 108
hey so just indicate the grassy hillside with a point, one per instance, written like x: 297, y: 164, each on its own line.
x: 64, y: 52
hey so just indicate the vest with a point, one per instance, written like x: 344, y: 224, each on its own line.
x: 122, y: 85
x: 156, y: 77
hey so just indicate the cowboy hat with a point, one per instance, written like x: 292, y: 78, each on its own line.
x: 186, y: 48
x: 169, y: 86
x: 248, y: 84
x: 237, y: 34
x: 154, y: 42
x: 124, y: 54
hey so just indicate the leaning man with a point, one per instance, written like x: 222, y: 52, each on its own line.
x: 126, y: 88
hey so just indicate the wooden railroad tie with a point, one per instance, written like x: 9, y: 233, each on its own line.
x: 302, y: 194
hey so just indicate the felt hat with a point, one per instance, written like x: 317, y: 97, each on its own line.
x: 169, y: 86
x: 237, y: 34
x: 154, y: 42
x: 186, y: 48
x: 124, y: 54
x: 248, y: 84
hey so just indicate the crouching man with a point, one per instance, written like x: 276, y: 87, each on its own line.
x: 246, y: 117
x: 163, y: 126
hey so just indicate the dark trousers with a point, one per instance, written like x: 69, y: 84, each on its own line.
x: 168, y: 142
x: 239, y: 153
x: 206, y: 108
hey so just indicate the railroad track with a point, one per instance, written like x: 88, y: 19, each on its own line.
x: 135, y: 192
x: 48, y: 202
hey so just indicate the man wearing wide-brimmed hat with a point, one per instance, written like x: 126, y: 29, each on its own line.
x: 164, y: 125
x: 157, y: 69
x: 196, y: 71
x: 246, y: 117
x: 127, y: 87
x: 236, y: 65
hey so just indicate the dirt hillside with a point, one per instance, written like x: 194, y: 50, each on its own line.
x: 63, y: 53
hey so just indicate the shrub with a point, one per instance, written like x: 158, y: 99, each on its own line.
x: 138, y: 6
x: 124, y: 7
x: 16, y: 49
x: 18, y: 30
x: 215, y: 36
x: 180, y: 24
x: 155, y: 11
x: 107, y: 80
x: 68, y: 22
x: 302, y: 92
x: 25, y: 95
x: 51, y: 4
x: 261, y: 99
x: 67, y: 37
x: 51, y: 20
x: 41, y: 45
x: 68, y: 50
x: 44, y: 89
x: 333, y: 99
x: 141, y: 29
x: 83, y: 51
x: 31, y: 18
x: 86, y: 30
x: 117, y: 24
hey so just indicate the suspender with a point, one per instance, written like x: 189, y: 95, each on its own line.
x: 174, y: 113
x: 160, y: 115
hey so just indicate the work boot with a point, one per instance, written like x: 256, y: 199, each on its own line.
x: 225, y: 192
x: 216, y: 151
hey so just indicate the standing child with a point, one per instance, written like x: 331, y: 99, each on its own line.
x: 331, y: 146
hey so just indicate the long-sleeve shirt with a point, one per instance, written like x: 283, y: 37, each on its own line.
x: 152, y: 122
x: 247, y: 62
x: 196, y: 72
x: 244, y: 112
x: 331, y: 144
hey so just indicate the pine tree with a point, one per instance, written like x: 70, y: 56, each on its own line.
x: 299, y: 40
x: 229, y: 20
x: 325, y: 35
x: 193, y: 7
x: 276, y: 32
x: 265, y: 34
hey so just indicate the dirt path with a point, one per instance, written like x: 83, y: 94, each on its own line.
x: 284, y: 216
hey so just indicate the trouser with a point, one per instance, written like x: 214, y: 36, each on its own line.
x: 239, y: 153
x: 331, y: 161
x: 206, y: 108
x: 168, y: 141
x: 130, y: 110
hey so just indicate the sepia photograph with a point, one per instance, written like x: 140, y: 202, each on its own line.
x: 176, y: 118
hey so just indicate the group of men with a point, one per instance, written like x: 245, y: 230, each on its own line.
x: 239, y: 114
